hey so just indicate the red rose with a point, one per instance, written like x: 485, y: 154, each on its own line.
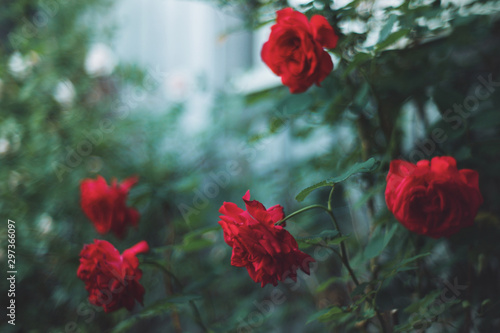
x: 269, y: 252
x: 111, y: 279
x: 106, y: 206
x: 295, y: 52
x: 433, y: 198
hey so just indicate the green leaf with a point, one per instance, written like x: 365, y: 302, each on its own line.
x: 358, y: 59
x: 125, y: 325
x: 322, y: 287
x: 386, y: 30
x: 192, y: 245
x: 156, y: 309
x: 304, y: 193
x: 194, y: 240
x: 201, y: 231
x: 334, y: 313
x: 316, y: 315
x: 412, y: 259
x: 423, y: 303
x: 327, y: 314
x: 392, y: 38
x: 360, y: 289
x: 401, y: 265
x: 486, y: 302
x: 338, y: 240
x: 378, y: 242
x: 323, y: 239
x: 424, y: 311
x: 367, y: 166
x: 404, y: 269
x: 368, y: 313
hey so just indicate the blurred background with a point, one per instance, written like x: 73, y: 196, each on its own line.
x: 175, y: 92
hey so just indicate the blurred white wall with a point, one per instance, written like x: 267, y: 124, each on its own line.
x: 189, y: 42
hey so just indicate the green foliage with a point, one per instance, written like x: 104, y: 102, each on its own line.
x: 404, y: 80
x: 367, y: 166
x: 378, y: 242
x: 334, y: 313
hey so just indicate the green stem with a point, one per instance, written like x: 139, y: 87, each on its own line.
x: 380, y: 318
x: 343, y: 250
x: 197, y: 316
x: 300, y: 211
x: 196, y: 312
x: 345, y: 260
x: 165, y: 270
x: 330, y: 198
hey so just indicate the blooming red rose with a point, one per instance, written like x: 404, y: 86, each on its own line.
x: 295, y: 51
x: 106, y: 206
x: 433, y: 198
x: 269, y: 252
x: 111, y: 279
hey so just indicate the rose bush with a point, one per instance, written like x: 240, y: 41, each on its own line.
x: 295, y: 51
x: 106, y: 206
x: 268, y: 251
x: 111, y: 279
x: 433, y: 198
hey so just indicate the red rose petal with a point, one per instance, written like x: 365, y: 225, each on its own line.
x: 433, y: 198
